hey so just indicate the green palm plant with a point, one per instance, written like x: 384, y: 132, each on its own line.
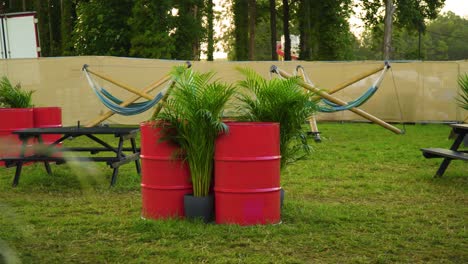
x: 192, y: 117
x: 463, y: 93
x: 13, y: 96
x: 282, y: 101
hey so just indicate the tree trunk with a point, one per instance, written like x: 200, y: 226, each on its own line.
x: 387, y: 43
x: 67, y: 21
x: 287, y: 38
x: 274, y: 55
x: 252, y: 18
x: 210, y: 18
x: 241, y: 33
x: 51, y: 35
x: 196, y: 39
x: 305, y: 28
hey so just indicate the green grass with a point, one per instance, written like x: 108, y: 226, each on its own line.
x: 364, y: 196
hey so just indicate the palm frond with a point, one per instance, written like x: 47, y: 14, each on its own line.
x: 463, y: 93
x: 14, y: 96
x: 282, y: 101
x: 194, y: 111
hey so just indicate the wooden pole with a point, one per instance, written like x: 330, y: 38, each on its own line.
x: 340, y: 102
x: 345, y: 84
x: 122, y: 85
x: 158, y: 108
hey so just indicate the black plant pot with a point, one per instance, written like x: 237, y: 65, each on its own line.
x: 199, y: 207
x: 281, y: 198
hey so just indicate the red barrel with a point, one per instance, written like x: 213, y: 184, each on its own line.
x: 247, y: 174
x: 165, y: 179
x: 48, y: 117
x: 13, y: 119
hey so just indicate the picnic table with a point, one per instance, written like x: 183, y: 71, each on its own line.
x: 454, y: 153
x: 50, y: 151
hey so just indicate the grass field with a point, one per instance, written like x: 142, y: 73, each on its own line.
x: 365, y: 195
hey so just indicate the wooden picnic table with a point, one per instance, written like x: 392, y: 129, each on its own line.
x: 454, y: 153
x: 48, y: 151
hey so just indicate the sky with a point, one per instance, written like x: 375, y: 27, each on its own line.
x: 459, y: 7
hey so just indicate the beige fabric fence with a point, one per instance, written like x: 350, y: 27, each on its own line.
x: 410, y: 92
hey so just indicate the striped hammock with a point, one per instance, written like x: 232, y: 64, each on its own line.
x: 114, y: 103
x: 329, y: 107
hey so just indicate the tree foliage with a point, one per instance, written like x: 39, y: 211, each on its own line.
x: 102, y: 28
x: 444, y: 39
x: 324, y: 28
x: 67, y: 23
x: 151, y: 28
x: 410, y: 14
x: 451, y: 31
x: 150, y: 25
x: 189, y: 31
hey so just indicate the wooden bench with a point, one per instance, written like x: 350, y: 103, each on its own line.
x: 444, y: 153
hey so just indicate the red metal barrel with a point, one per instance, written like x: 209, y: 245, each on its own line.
x: 48, y: 117
x: 12, y: 119
x: 165, y: 179
x: 247, y: 174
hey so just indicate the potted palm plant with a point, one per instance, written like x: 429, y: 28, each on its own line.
x: 193, y: 118
x: 249, y: 159
x: 282, y: 101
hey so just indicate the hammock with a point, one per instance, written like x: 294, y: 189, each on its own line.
x: 113, y: 103
x: 321, y: 94
x: 330, y: 107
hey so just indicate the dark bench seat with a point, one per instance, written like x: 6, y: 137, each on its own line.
x: 113, y: 162
x: 444, y: 153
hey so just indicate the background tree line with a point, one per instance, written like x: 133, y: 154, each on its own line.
x: 180, y: 29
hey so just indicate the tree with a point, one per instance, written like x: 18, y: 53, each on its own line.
x: 241, y: 39
x: 287, y: 37
x: 444, y: 39
x: 324, y: 30
x: 188, y: 29
x: 272, y: 5
x: 252, y: 22
x: 210, y: 29
x: 150, y: 24
x: 67, y: 23
x: 49, y: 17
x: 305, y: 30
x: 409, y: 14
x: 388, y: 26
x: 451, y: 31
x: 102, y: 27
x: 12, y: 6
